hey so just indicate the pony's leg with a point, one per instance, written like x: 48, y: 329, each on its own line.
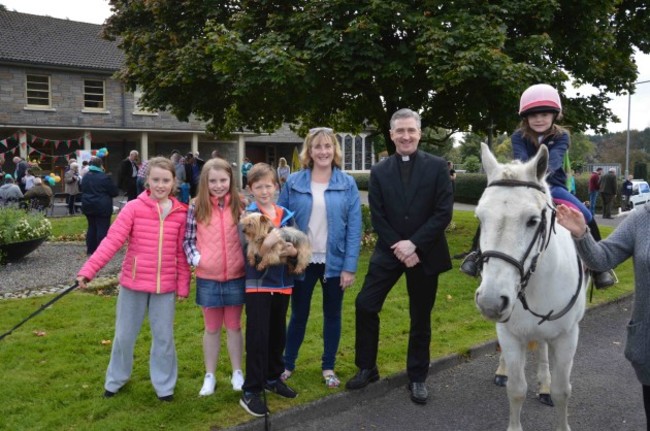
x: 501, y: 375
x: 514, y: 353
x: 563, y: 349
x: 543, y: 374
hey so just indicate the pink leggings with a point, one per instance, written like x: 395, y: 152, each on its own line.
x: 216, y: 317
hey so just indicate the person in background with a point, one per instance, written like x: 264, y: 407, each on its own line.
x: 181, y: 183
x: 626, y: 193
x: 245, y: 167
x: 84, y: 169
x: 127, y: 177
x: 411, y: 204
x: 213, y: 248
x: 283, y: 171
x: 452, y: 176
x: 28, y: 180
x: 141, y: 177
x: 215, y: 155
x: 9, y: 191
x: 97, y: 193
x: 629, y: 239
x: 71, y: 180
x: 594, y: 189
x: 326, y: 206
x: 608, y: 190
x: 193, y: 167
x: 20, y: 172
x: 41, y: 193
x: 154, y: 272
x: 267, y: 299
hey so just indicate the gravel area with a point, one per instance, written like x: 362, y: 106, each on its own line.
x: 52, y: 266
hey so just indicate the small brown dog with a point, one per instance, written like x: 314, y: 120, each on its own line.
x: 257, y: 226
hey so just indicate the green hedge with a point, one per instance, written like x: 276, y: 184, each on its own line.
x: 362, y: 180
x: 469, y: 188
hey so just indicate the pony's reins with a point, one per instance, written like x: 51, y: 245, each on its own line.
x: 543, y: 240
x: 43, y: 307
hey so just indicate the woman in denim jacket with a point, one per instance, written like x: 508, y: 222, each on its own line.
x: 326, y: 206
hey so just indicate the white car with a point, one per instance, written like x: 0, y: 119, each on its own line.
x: 640, y: 193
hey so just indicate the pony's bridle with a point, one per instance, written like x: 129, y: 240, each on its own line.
x: 541, y: 239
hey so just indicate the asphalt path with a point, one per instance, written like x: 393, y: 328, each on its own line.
x: 606, y: 395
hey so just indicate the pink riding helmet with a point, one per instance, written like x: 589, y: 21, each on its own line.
x: 539, y: 98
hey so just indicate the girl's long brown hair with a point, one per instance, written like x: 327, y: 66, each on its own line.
x: 531, y: 135
x: 202, y: 202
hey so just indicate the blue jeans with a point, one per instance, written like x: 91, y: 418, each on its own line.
x: 593, y: 197
x: 300, y: 305
x: 562, y: 194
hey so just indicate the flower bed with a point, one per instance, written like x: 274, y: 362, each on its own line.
x: 18, y: 227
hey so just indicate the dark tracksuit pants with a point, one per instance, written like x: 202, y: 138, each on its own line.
x: 266, y: 315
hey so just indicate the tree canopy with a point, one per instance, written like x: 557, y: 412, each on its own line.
x: 350, y: 64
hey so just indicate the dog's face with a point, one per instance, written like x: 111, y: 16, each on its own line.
x: 255, y: 226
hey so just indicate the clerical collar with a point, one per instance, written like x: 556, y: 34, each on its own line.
x: 407, y: 158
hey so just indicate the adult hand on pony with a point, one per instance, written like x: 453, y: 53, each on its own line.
x: 572, y: 220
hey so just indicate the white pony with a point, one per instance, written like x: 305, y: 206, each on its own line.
x: 532, y: 282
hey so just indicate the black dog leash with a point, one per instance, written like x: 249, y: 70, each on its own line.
x: 43, y: 307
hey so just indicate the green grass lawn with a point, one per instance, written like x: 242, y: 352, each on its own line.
x: 55, y: 381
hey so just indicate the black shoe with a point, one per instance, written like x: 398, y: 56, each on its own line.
x: 470, y: 264
x: 363, y: 377
x: 281, y: 388
x: 419, y: 393
x: 167, y: 398
x: 252, y: 402
x: 109, y: 394
x: 603, y: 280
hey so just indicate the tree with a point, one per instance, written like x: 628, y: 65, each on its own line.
x: 462, y: 64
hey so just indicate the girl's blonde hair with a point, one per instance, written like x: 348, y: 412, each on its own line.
x: 202, y: 202
x: 282, y: 162
x: 305, y: 157
x: 162, y: 163
x: 531, y: 135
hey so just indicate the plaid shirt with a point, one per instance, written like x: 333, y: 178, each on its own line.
x: 189, y: 244
x: 142, y: 171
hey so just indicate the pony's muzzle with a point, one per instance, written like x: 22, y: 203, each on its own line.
x: 493, y: 307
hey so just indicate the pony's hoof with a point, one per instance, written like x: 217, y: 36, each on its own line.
x: 500, y: 380
x: 545, y: 399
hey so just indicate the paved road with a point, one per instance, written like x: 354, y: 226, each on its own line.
x: 606, y: 394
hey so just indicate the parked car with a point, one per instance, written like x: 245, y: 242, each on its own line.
x: 640, y: 193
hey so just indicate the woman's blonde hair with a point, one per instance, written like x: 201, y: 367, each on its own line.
x: 282, y: 162
x: 328, y: 134
x: 162, y: 163
x: 202, y: 202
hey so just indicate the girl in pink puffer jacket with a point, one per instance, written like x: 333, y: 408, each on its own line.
x: 153, y: 272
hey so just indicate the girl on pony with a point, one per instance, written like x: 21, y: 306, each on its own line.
x: 539, y: 108
x: 212, y: 246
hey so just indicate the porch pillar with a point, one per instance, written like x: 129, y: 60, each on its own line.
x: 87, y: 140
x: 144, y: 146
x: 194, y: 146
x: 241, y: 153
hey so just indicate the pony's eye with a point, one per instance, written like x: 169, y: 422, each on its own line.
x: 532, y: 222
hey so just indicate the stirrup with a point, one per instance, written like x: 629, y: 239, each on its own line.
x: 470, y: 265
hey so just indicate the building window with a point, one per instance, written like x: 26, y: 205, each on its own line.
x: 137, y: 109
x: 38, y: 91
x: 94, y: 94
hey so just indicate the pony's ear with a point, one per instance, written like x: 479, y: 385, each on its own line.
x: 490, y: 163
x: 541, y: 162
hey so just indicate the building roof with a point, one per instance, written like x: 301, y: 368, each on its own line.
x: 282, y: 135
x: 43, y: 40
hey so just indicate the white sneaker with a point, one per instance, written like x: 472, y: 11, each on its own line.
x: 209, y: 383
x: 237, y: 380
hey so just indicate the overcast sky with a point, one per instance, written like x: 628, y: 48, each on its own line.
x: 96, y: 11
